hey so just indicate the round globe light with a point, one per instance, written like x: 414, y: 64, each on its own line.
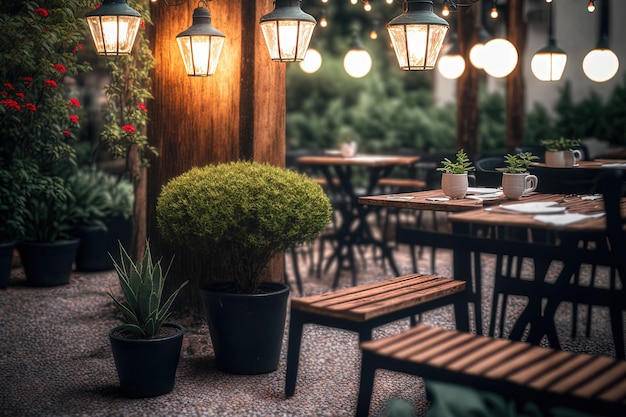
x: 312, y: 61
x: 357, y: 63
x: 600, y: 65
x: 451, y: 66
x: 476, y: 55
x: 500, y: 57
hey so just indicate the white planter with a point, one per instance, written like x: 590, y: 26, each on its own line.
x: 514, y: 186
x: 565, y: 158
x: 454, y: 185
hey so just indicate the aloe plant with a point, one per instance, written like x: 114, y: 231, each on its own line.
x: 142, y: 285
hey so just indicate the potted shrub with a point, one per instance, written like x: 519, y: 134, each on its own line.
x: 104, y: 206
x: 146, y: 348
x: 560, y: 152
x: 516, y: 180
x: 238, y: 216
x: 48, y: 247
x: 454, y: 180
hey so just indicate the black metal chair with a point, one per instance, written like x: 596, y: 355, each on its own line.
x: 487, y: 174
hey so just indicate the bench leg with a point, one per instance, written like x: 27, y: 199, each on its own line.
x: 293, y: 352
x: 366, y: 385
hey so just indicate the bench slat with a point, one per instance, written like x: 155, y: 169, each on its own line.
x: 373, y: 300
x: 547, y: 371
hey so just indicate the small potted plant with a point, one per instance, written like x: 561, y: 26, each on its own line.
x: 516, y: 180
x: 146, y: 348
x: 454, y: 180
x: 104, y: 205
x: 560, y: 152
x: 238, y: 216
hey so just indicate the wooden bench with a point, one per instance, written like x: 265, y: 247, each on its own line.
x: 549, y: 377
x: 402, y: 183
x: 364, y: 307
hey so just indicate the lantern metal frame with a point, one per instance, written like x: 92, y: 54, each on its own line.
x: 120, y: 11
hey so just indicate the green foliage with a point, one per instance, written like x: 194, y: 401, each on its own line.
x: 51, y: 216
x: 559, y: 144
x: 518, y: 163
x: 239, y: 215
x: 461, y: 165
x: 129, y: 90
x: 39, y: 55
x: 99, y: 195
x: 142, y: 285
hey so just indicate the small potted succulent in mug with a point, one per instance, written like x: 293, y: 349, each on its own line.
x: 561, y: 153
x: 454, y: 180
x: 516, y: 180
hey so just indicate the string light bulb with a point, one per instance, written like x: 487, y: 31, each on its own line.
x: 367, y: 6
x: 591, y: 7
x: 373, y: 34
x: 445, y: 11
x: 323, y: 22
x: 494, y: 12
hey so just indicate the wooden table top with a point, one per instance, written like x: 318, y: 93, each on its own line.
x: 420, y: 200
x: 595, y: 164
x: 496, y: 216
x: 358, y: 160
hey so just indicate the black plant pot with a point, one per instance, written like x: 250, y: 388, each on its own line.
x: 6, y: 262
x: 48, y: 264
x: 146, y: 367
x: 246, y: 329
x: 97, y: 243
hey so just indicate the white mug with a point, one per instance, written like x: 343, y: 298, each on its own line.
x: 572, y: 157
x: 514, y: 186
x: 348, y: 149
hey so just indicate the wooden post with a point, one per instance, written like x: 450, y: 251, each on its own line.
x: 467, y: 87
x: 515, y: 94
x: 238, y: 113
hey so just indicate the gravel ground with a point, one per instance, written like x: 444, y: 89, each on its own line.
x: 55, y: 357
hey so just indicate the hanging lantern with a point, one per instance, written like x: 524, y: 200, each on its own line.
x: 549, y: 62
x: 357, y: 62
x: 499, y: 57
x: 417, y: 35
x: 601, y: 64
x: 452, y: 64
x: 113, y: 27
x: 287, y: 31
x: 201, y: 44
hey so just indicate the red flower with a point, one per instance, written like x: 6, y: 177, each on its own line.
x: 41, y: 12
x: 142, y: 24
x: 10, y: 104
x: 28, y: 80
x: 31, y: 107
x: 129, y: 128
x: 73, y: 102
x: 59, y: 67
x: 4, y: 93
x: 142, y: 107
x: 9, y: 86
x: 20, y: 95
x: 51, y: 83
x: 67, y: 132
x: 77, y: 48
x: 74, y: 118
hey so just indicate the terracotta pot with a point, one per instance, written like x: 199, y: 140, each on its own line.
x: 454, y: 185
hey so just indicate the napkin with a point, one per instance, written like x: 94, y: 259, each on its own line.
x: 566, y: 218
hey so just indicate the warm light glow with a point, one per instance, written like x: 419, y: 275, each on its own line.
x: 312, y: 61
x: 323, y: 22
x: 451, y: 66
x: 357, y: 63
x: 591, y: 7
x: 476, y: 55
x: 548, y: 66
x: 548, y: 1
x: 373, y: 34
x: 354, y: 1
x: 105, y: 31
x: 494, y: 13
x: 417, y: 36
x: 389, y: 1
x: 367, y: 6
x: 411, y: 41
x: 445, y: 11
x: 600, y: 65
x: 500, y: 57
x: 287, y: 31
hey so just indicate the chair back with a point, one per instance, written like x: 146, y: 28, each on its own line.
x: 611, y: 183
x: 486, y: 173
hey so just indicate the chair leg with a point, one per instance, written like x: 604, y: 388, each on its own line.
x: 293, y: 352
x: 366, y: 385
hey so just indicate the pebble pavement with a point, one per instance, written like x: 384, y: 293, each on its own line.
x: 55, y: 357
